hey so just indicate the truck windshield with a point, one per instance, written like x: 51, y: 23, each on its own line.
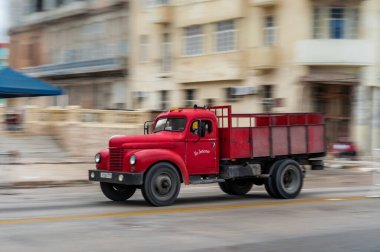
x: 170, y: 124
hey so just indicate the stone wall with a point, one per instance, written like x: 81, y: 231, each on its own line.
x: 81, y: 132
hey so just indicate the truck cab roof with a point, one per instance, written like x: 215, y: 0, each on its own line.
x: 188, y: 113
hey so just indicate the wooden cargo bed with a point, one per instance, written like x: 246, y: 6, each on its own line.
x: 269, y: 135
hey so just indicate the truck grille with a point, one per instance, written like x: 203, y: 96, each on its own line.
x: 116, y: 159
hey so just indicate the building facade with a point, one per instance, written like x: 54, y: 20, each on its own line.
x: 256, y: 55
x: 262, y: 56
x: 81, y: 46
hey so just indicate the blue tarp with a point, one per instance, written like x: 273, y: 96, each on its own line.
x: 16, y: 84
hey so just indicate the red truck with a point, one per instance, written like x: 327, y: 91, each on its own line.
x: 212, y: 145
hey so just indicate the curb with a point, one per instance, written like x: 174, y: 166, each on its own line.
x: 34, y: 163
x: 45, y: 184
x: 341, y: 166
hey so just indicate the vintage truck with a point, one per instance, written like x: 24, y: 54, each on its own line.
x: 212, y: 145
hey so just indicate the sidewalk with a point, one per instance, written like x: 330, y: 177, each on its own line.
x: 38, y: 161
x: 43, y: 175
x: 72, y: 172
x: 349, y: 164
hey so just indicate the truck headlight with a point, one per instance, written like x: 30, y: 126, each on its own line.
x: 97, y: 158
x: 132, y: 160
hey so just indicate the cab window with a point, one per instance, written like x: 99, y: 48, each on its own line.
x: 170, y: 124
x: 206, y: 124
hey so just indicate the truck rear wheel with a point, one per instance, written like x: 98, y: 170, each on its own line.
x: 236, y: 187
x: 117, y: 192
x: 270, y: 183
x: 286, y: 179
x: 161, y: 185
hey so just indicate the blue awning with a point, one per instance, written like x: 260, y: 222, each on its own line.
x: 16, y: 84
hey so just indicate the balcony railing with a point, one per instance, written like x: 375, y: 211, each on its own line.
x: 79, y: 67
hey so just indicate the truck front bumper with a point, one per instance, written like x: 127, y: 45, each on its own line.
x: 124, y: 178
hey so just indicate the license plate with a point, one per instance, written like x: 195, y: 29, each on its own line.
x: 106, y: 175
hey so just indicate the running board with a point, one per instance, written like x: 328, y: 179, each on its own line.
x: 196, y: 180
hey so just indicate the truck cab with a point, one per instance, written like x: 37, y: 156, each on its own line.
x: 193, y: 146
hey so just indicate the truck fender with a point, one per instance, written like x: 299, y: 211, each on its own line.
x: 104, y: 160
x: 146, y: 158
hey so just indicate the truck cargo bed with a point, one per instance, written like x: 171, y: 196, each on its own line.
x: 269, y: 135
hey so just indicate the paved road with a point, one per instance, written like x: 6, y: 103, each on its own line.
x: 203, y: 219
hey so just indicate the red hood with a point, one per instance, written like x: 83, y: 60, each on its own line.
x: 161, y: 140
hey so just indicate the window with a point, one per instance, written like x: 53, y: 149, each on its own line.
x: 353, y: 22
x: 162, y: 2
x: 170, y: 124
x: 206, y: 124
x: 193, y: 40
x: 144, y: 48
x: 59, y: 2
x: 189, y: 97
x: 210, y: 102
x: 225, y: 36
x: 269, y: 30
x: 267, y: 100
x: 164, y: 99
x: 335, y: 22
x: 230, y: 97
x: 39, y: 5
x: 317, y: 23
x: 166, y: 53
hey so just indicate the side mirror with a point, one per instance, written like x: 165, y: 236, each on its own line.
x: 147, y: 126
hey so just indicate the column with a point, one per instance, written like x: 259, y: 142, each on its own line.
x: 375, y: 121
x: 362, y: 119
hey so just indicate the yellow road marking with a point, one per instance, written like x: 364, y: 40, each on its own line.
x: 172, y: 210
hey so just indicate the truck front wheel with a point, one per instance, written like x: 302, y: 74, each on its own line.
x: 117, y: 192
x: 236, y: 187
x: 161, y: 185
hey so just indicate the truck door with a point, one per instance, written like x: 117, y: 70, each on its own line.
x: 201, y: 151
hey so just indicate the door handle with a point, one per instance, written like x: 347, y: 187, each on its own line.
x: 213, y: 145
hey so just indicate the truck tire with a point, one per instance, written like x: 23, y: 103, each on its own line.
x: 236, y: 187
x: 270, y: 183
x: 161, y: 185
x: 288, y: 179
x: 117, y: 192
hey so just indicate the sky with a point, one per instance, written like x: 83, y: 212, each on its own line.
x: 4, y: 22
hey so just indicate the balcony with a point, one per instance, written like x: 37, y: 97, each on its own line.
x: 162, y: 14
x: 68, y: 10
x: 77, y: 68
x: 263, y: 3
x: 262, y: 58
x: 334, y: 52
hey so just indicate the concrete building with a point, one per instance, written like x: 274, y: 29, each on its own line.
x: 4, y: 53
x: 78, y: 45
x: 262, y: 56
x: 256, y: 55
